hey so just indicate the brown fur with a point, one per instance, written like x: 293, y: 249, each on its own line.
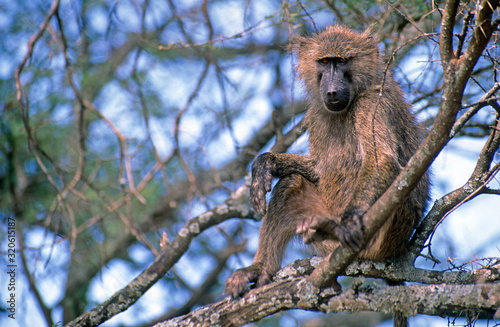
x: 355, y: 154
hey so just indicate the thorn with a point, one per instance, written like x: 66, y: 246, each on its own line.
x: 164, y: 240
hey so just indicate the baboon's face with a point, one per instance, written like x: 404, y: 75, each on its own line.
x: 335, y: 82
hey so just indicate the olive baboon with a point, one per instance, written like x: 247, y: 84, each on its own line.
x: 361, y: 134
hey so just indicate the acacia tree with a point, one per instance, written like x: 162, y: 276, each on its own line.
x: 128, y: 127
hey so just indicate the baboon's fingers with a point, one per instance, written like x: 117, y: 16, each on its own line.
x: 302, y: 226
x: 240, y: 281
x: 258, y: 199
x: 316, y: 229
x: 350, y: 232
x: 325, y: 225
x: 261, y: 184
x: 350, y: 242
x: 262, y: 179
x: 312, y: 236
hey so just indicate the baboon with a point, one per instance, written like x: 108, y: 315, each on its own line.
x: 361, y: 134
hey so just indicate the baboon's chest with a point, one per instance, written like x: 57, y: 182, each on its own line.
x: 339, y: 157
x: 338, y: 171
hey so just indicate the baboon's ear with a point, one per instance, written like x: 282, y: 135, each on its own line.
x: 370, y: 34
x: 369, y: 30
x: 298, y: 42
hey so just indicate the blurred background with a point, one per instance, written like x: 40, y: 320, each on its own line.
x: 141, y: 114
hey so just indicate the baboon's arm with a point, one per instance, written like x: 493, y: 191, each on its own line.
x: 277, y: 165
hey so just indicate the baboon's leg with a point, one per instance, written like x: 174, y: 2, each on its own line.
x: 293, y: 199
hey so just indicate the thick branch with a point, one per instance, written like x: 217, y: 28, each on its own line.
x: 447, y: 24
x: 294, y: 292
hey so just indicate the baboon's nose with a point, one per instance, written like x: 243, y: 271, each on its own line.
x: 332, y: 97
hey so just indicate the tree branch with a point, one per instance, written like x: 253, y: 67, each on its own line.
x: 447, y: 24
x: 290, y: 290
x: 474, y: 186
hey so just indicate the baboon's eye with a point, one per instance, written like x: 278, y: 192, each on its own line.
x: 342, y: 61
x: 324, y: 61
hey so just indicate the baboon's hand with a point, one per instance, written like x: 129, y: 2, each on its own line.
x: 350, y: 232
x: 262, y: 178
x: 238, y: 283
x: 316, y: 229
